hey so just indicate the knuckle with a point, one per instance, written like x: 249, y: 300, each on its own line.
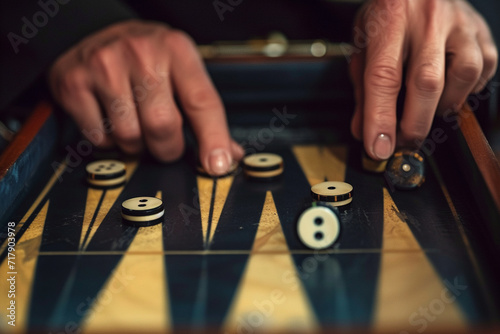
x: 381, y: 117
x: 490, y: 54
x: 72, y: 82
x: 201, y: 100
x: 461, y: 29
x: 467, y: 72
x: 384, y: 119
x: 100, y: 58
x: 428, y: 79
x: 178, y: 39
x: 161, y: 123
x: 127, y: 134
x: 469, y: 67
x: 103, y: 61
x: 385, y: 77
x: 462, y: 19
x: 138, y: 43
x: 141, y: 47
x: 418, y: 129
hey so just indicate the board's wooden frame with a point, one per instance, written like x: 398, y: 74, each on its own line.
x: 22, y: 158
x: 24, y: 137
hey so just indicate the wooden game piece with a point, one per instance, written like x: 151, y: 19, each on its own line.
x: 106, y: 173
x: 201, y: 171
x: 263, y: 165
x: 406, y: 169
x: 334, y: 192
x: 142, y: 211
x: 318, y: 227
x: 371, y: 165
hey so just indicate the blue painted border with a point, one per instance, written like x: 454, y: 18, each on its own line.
x: 20, y: 177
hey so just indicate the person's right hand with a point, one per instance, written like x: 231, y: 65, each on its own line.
x: 119, y: 83
x: 448, y: 51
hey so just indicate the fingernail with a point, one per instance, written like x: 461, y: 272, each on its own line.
x: 219, y: 161
x: 382, y: 148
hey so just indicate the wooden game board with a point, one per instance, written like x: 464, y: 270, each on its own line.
x: 227, y: 256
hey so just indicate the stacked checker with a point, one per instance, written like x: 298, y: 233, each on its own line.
x: 333, y: 192
x: 263, y: 166
x: 143, y: 211
x: 106, y: 173
x: 138, y: 211
x: 318, y: 227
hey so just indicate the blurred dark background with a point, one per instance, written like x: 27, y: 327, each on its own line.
x: 320, y: 90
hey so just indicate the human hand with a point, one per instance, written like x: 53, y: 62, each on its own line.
x: 119, y: 84
x: 448, y: 52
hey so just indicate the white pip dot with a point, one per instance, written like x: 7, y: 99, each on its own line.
x: 406, y: 167
x: 334, y: 192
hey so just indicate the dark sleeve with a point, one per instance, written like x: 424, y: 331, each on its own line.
x: 34, y: 33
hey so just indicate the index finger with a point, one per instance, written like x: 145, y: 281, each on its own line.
x: 202, y: 106
x: 382, y: 83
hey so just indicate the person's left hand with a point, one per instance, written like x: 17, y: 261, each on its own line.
x: 119, y: 84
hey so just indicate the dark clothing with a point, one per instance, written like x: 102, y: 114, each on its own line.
x: 34, y: 33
